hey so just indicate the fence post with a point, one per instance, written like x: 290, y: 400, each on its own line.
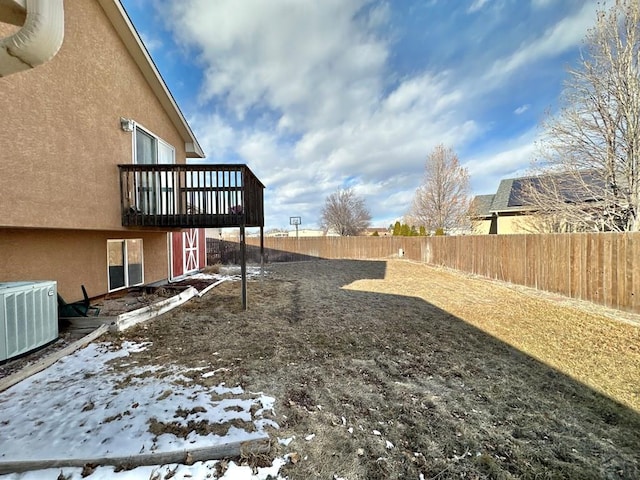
x: 243, y: 266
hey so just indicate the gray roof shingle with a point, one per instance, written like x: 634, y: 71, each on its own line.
x: 511, y: 196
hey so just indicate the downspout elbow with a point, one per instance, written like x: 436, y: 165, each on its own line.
x: 39, y: 39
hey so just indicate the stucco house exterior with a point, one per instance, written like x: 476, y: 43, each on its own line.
x: 501, y: 213
x: 96, y: 189
x: 511, y: 209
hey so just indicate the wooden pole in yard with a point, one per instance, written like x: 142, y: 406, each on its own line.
x: 262, y: 250
x: 243, y: 266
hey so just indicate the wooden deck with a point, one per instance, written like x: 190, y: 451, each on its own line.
x: 190, y: 196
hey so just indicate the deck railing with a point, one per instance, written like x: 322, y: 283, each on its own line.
x: 186, y: 196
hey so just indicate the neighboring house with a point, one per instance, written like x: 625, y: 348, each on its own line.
x: 96, y: 189
x: 509, y: 211
x: 381, y: 231
x: 302, y: 232
x: 504, y: 212
x: 306, y: 232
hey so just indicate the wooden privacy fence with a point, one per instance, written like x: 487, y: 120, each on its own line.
x: 602, y: 268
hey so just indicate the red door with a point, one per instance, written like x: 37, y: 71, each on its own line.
x: 188, y: 251
x: 177, y: 262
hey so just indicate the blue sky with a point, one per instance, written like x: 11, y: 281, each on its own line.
x: 320, y: 95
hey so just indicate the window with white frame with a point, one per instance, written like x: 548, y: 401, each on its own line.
x: 151, y: 149
x: 125, y: 263
x: 155, y: 195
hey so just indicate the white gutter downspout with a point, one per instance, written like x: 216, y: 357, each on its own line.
x: 37, y: 41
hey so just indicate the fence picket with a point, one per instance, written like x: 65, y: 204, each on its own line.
x: 601, y: 267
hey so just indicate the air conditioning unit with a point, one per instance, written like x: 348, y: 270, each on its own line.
x: 28, y: 316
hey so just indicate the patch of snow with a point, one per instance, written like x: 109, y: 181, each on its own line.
x: 229, y: 272
x: 285, y: 441
x: 84, y: 406
x: 197, y: 471
x: 212, y: 373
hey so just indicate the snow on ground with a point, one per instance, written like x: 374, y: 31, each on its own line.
x: 197, y: 471
x: 230, y: 272
x: 83, y: 407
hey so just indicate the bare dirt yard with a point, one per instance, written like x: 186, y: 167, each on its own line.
x: 395, y: 370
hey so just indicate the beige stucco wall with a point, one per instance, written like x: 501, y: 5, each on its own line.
x: 480, y: 227
x: 80, y: 258
x: 514, y: 224
x: 60, y: 136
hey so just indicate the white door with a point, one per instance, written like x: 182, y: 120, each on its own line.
x: 191, y: 250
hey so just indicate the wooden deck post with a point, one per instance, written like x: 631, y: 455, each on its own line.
x: 243, y: 266
x: 262, y: 250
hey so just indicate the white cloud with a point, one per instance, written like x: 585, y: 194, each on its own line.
x: 314, y: 60
x: 315, y: 105
x: 521, y: 109
x: 564, y: 35
x: 537, y: 4
x: 477, y: 5
x: 334, y: 120
x: 151, y: 41
x: 508, y: 159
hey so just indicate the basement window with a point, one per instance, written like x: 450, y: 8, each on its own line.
x: 125, y: 263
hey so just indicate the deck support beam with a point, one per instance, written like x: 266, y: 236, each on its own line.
x: 243, y: 265
x: 262, y: 250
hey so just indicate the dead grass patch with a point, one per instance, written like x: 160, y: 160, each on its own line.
x: 396, y: 370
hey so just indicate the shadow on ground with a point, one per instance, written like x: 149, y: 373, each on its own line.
x: 391, y: 386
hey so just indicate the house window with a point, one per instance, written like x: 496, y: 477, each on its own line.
x: 155, y: 188
x: 151, y: 150
x: 125, y: 263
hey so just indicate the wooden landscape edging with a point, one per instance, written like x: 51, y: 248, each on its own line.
x: 96, y: 326
x: 183, y: 456
x: 206, y: 290
x: 129, y: 319
x: 51, y: 359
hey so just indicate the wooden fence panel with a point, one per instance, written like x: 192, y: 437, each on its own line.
x: 634, y: 277
x: 621, y: 281
x: 600, y: 267
x: 610, y: 258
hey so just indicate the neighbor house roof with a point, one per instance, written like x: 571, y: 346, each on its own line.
x: 482, y: 205
x: 127, y: 32
x: 511, y: 197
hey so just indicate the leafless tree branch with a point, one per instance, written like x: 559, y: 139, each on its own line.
x: 593, y: 144
x: 345, y: 213
x: 442, y: 200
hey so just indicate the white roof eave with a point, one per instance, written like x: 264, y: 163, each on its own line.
x: 127, y: 32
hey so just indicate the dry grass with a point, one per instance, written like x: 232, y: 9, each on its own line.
x: 591, y: 348
x: 401, y: 370
x: 212, y: 268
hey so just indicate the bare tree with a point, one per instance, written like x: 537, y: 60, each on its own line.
x: 345, y: 213
x: 590, y: 170
x: 442, y: 200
